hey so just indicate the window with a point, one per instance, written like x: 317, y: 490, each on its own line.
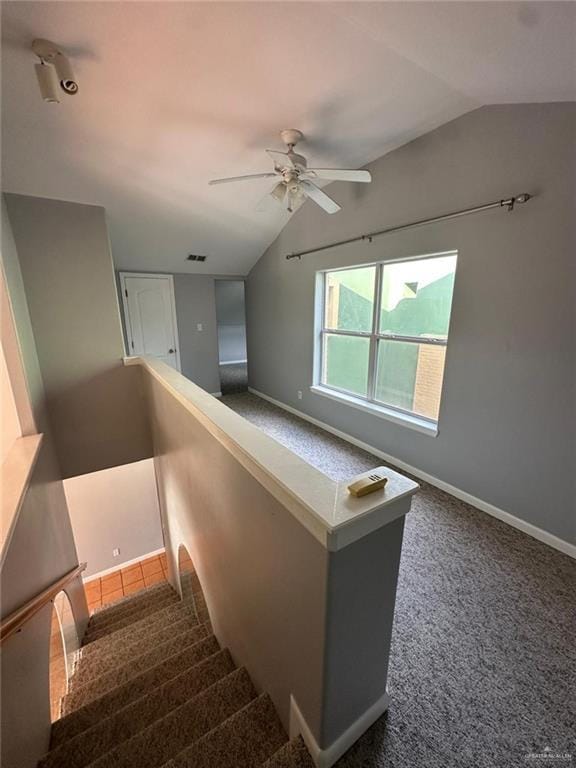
x: 384, y: 334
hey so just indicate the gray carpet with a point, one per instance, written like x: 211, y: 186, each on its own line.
x: 483, y: 662
x: 233, y: 378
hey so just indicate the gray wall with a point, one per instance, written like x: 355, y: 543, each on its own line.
x: 95, y: 404
x: 23, y: 325
x: 244, y: 545
x: 40, y: 551
x: 288, y: 610
x: 506, y: 428
x: 196, y: 303
x: 231, y: 319
x: 115, y: 508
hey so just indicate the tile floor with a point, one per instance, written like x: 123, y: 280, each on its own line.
x: 125, y: 581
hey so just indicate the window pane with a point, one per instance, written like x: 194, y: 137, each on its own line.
x: 350, y: 299
x: 417, y: 297
x: 409, y: 376
x: 345, y: 363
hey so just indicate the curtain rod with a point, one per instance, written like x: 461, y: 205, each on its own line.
x: 508, y: 203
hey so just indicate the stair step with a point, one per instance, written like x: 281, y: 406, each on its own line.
x: 104, y: 706
x: 294, y: 754
x: 102, y: 615
x: 82, y: 693
x: 107, y: 734
x: 130, y: 647
x: 94, y: 665
x: 245, y: 740
x: 139, y: 629
x: 183, y: 726
x: 131, y: 604
x: 129, y: 617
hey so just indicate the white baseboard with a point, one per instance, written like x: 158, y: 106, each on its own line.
x: 532, y: 530
x: 233, y: 362
x: 216, y: 394
x: 125, y: 564
x: 325, y: 758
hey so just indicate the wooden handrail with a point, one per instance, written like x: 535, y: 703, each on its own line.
x: 20, y: 616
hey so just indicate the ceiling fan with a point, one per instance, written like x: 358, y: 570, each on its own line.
x: 296, y: 179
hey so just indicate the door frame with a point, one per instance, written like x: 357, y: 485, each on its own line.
x: 127, y: 325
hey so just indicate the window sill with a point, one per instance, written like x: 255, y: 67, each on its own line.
x: 405, y: 420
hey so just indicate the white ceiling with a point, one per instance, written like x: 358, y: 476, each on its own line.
x: 173, y: 94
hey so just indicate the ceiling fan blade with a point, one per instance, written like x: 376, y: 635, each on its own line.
x: 319, y: 197
x: 340, y: 174
x: 281, y: 159
x: 243, y: 178
x: 272, y: 199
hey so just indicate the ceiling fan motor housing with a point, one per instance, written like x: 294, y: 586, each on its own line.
x: 291, y: 136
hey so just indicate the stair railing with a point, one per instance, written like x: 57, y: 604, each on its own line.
x: 14, y: 621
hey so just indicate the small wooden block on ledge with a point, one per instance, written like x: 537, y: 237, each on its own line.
x: 374, y: 481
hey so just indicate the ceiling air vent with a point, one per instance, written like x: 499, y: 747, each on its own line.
x: 195, y: 257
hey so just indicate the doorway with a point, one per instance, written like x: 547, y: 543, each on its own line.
x: 150, y: 316
x: 231, y: 321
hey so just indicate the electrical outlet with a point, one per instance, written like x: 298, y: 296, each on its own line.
x: 299, y: 394
x: 115, y: 552
x: 199, y: 326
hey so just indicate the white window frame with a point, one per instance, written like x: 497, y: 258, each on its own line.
x: 369, y: 403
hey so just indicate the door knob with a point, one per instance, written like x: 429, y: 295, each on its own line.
x: 171, y: 351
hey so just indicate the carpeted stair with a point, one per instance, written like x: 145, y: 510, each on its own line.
x: 152, y: 688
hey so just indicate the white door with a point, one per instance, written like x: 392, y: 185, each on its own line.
x: 149, y: 311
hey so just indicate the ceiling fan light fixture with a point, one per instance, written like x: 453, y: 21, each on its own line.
x: 279, y: 192
x: 295, y: 184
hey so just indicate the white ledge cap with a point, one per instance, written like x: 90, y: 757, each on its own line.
x: 322, y: 505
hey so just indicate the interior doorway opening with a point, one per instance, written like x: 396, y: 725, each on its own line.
x: 232, y: 351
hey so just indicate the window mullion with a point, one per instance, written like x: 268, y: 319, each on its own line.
x: 373, y: 354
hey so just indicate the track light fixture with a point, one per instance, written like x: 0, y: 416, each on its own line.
x: 53, y: 72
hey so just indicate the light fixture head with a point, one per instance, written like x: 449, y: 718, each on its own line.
x: 51, y: 57
x: 65, y: 75
x: 47, y: 82
x: 279, y: 192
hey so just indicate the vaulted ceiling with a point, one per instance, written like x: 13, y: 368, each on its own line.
x: 173, y: 94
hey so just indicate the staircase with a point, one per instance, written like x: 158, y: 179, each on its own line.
x: 152, y: 687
